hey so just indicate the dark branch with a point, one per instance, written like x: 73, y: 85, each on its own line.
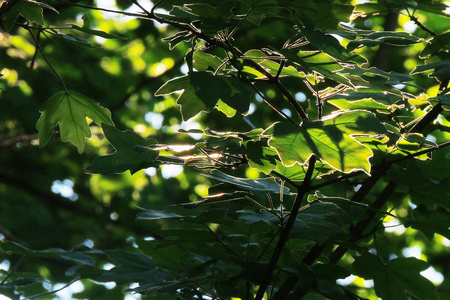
x: 284, y: 235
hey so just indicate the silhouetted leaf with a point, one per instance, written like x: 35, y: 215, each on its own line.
x: 87, y: 29
x: 126, y: 157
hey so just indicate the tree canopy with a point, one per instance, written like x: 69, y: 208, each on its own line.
x: 235, y: 149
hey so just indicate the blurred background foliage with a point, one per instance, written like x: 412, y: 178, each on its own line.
x: 48, y: 201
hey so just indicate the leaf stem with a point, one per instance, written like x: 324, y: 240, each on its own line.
x: 54, y: 291
x: 46, y: 59
x: 13, y: 269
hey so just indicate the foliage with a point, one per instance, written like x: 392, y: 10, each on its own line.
x: 307, y: 130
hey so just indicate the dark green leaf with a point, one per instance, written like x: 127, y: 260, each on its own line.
x: 252, y: 217
x: 430, y: 221
x: 74, y: 257
x: 320, y: 222
x: 126, y: 157
x: 30, y: 10
x: 258, y: 185
x: 396, y: 277
x: 133, y: 268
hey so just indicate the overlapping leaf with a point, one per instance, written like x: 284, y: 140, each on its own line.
x: 86, y: 28
x: 396, y: 277
x: 133, y: 267
x: 328, y: 140
x: 441, y: 69
x: 430, y: 221
x: 320, y: 222
x: 258, y: 185
x: 30, y: 10
x: 127, y: 156
x: 261, y: 157
x: 202, y: 91
x: 70, y: 110
x: 327, y: 43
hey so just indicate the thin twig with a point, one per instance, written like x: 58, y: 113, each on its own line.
x: 225, y: 246
x: 21, y: 260
x: 119, y: 12
x: 281, y: 176
x: 33, y: 59
x: 152, y: 12
x: 54, y: 291
x: 272, y: 106
x: 46, y: 59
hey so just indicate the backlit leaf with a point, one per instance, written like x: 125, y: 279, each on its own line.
x: 328, y: 142
x: 202, y: 91
x: 261, y: 157
x: 70, y: 110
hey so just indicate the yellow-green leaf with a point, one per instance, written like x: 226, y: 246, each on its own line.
x: 333, y: 146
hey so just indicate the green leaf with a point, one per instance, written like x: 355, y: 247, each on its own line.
x: 177, y: 38
x: 396, y: 277
x: 430, y: 221
x: 380, y: 99
x: 371, y: 104
x: 356, y: 210
x: 389, y: 37
x: 202, y: 91
x: 329, y: 141
x: 30, y: 10
x: 87, y: 29
x: 355, y: 122
x: 258, y: 185
x: 252, y: 217
x: 204, y: 61
x: 127, y: 156
x: 327, y: 43
x: 423, y: 189
x: 54, y: 253
x: 75, y: 40
x: 70, y: 110
x: 226, y: 109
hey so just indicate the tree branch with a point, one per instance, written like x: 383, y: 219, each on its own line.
x: 284, y: 235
